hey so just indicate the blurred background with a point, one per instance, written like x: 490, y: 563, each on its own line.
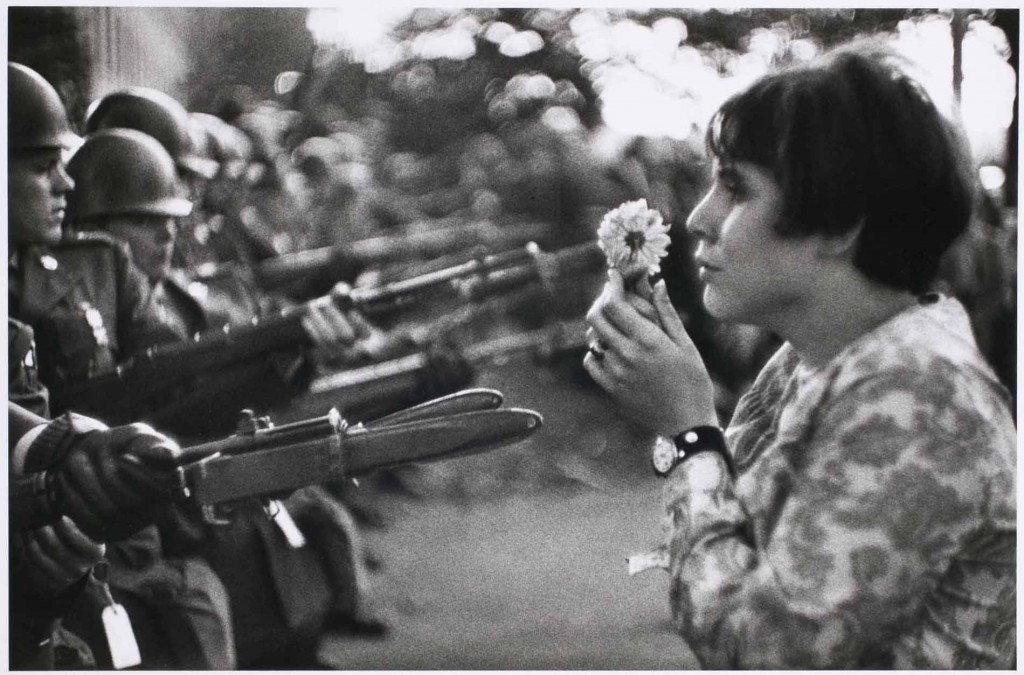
x: 383, y: 122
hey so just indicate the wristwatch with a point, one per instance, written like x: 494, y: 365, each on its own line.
x: 668, y: 452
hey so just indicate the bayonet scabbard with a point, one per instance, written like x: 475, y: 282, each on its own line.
x: 271, y: 462
x: 267, y: 472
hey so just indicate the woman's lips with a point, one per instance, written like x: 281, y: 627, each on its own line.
x: 706, y: 269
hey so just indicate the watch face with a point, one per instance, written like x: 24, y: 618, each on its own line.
x: 664, y: 455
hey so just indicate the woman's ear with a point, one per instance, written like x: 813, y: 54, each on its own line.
x: 841, y: 245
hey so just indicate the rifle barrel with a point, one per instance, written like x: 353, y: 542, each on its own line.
x: 413, y: 242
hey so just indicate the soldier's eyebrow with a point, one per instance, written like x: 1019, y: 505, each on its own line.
x: 37, y: 154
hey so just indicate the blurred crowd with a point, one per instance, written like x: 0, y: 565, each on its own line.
x: 185, y: 229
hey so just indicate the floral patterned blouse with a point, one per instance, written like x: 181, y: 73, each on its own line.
x: 873, y: 520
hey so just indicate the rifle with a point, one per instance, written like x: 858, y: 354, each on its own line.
x: 329, y: 264
x: 267, y: 462
x: 375, y: 388
x: 162, y: 367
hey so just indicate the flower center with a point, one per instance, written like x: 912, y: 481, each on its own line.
x: 635, y: 241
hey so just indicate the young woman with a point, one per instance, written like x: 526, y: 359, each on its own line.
x: 860, y: 509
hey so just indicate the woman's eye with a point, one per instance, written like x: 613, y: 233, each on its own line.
x: 732, y: 187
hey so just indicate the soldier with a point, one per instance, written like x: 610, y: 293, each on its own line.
x: 157, y: 114
x: 226, y: 194
x: 127, y: 189
x: 89, y: 307
x: 56, y: 284
x: 254, y: 235
x: 77, y: 467
x: 281, y: 589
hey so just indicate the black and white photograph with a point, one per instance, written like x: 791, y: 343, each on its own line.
x: 394, y: 337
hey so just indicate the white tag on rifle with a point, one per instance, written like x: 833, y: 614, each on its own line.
x: 124, y: 651
x: 288, y: 527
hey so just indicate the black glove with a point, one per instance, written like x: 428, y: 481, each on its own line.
x: 110, y: 482
x: 445, y: 372
x: 51, y: 558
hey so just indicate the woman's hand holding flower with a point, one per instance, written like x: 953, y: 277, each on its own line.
x: 650, y: 366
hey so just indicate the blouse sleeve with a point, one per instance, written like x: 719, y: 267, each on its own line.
x: 878, y: 499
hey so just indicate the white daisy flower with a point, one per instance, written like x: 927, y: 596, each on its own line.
x: 634, y: 239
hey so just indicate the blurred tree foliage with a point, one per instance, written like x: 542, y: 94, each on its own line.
x: 432, y: 102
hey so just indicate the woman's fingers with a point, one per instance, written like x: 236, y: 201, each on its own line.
x: 607, y: 334
x: 670, y: 320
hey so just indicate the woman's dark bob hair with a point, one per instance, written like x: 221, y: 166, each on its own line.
x: 853, y: 140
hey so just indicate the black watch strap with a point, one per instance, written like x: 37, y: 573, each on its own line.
x: 704, y: 439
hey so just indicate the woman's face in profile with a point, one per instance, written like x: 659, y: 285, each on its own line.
x: 751, y: 274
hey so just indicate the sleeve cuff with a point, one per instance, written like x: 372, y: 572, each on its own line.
x: 697, y: 484
x: 54, y: 441
x: 21, y: 449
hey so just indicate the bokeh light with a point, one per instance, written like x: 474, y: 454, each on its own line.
x: 652, y: 82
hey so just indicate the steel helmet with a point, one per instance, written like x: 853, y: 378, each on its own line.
x: 317, y: 156
x: 123, y: 172
x: 228, y: 145
x: 36, y: 118
x: 155, y: 113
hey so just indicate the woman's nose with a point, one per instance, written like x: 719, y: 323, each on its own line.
x: 702, y: 220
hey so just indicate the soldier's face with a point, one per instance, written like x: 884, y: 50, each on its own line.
x: 37, y: 188
x: 151, y: 240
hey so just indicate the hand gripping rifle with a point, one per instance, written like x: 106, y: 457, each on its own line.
x: 265, y: 462
x: 116, y: 394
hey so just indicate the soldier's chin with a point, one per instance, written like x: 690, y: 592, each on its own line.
x: 50, y: 233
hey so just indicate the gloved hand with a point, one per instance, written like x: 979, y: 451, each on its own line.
x: 111, y: 482
x: 51, y: 558
x: 446, y: 371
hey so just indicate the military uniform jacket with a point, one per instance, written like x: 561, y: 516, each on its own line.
x: 208, y: 405
x: 23, y: 385
x: 89, y: 306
